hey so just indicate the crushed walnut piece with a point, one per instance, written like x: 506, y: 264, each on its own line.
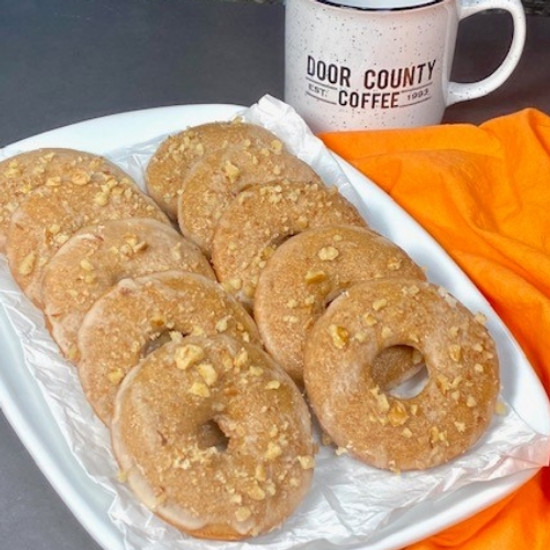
x: 339, y: 335
x: 186, y: 356
x: 328, y: 253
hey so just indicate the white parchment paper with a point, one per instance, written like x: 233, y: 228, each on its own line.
x: 348, y: 501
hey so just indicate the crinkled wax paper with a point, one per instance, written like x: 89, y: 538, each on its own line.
x: 348, y: 501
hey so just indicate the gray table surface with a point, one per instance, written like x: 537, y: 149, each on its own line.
x: 64, y: 61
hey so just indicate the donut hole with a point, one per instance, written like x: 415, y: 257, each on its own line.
x: 411, y: 386
x: 400, y: 371
x: 156, y: 340
x: 332, y: 295
x: 210, y: 434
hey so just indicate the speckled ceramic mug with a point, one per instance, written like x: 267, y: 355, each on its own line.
x: 357, y: 64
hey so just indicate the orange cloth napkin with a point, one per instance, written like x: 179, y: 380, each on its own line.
x: 483, y: 192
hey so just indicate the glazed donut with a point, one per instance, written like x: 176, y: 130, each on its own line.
x: 261, y: 217
x: 97, y: 257
x: 50, y: 214
x: 139, y: 314
x: 22, y: 173
x: 215, y: 180
x: 310, y: 270
x: 452, y: 410
x: 175, y: 156
x: 245, y: 487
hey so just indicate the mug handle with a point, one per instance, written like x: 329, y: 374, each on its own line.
x: 462, y: 91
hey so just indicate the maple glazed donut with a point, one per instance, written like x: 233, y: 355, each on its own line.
x: 51, y: 213
x: 445, y: 418
x: 217, y: 178
x: 22, y: 173
x: 139, y: 314
x: 178, y: 153
x: 263, y: 216
x: 263, y: 464
x: 310, y: 270
x: 96, y: 257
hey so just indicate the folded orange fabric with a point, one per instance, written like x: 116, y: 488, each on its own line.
x: 483, y: 192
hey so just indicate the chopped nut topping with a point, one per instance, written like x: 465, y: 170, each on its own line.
x: 480, y: 318
x: 460, y: 427
x: 290, y: 319
x: 273, y: 385
x: 53, y: 181
x: 455, y: 352
x: 236, y: 498
x: 437, y: 436
x: 208, y: 373
x: 26, y: 267
x: 122, y: 476
x: 397, y: 414
x: 381, y: 399
x: 222, y: 324
x: 231, y: 171
x: 199, y: 389
x: 90, y: 278
x: 187, y: 355
x: 306, y: 462
x: 157, y: 320
x: 260, y: 473
x: 86, y: 265
x: 54, y: 229
x: 412, y: 290
x: 394, y: 264
x: 276, y: 146
x: 453, y: 331
x: 340, y: 336
x: 61, y: 238
x: 115, y: 376
x: 255, y: 371
x: 479, y: 368
x: 328, y: 253
x: 443, y: 383
x: 256, y: 493
x: 273, y: 451
x: 386, y: 332
x: 500, y: 408
x: 407, y: 433
x: 471, y: 401
x: 369, y: 319
x: 341, y: 451
x: 313, y: 277
x: 102, y: 198
x: 234, y: 283
x: 243, y: 513
x: 270, y: 487
x: 241, y: 359
x: 377, y: 305
x: 79, y: 177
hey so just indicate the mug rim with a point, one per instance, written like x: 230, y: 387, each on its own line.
x: 349, y: 4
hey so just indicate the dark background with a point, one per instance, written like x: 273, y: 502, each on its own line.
x: 63, y: 61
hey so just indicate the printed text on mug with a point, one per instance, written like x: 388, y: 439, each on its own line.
x: 381, y: 88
